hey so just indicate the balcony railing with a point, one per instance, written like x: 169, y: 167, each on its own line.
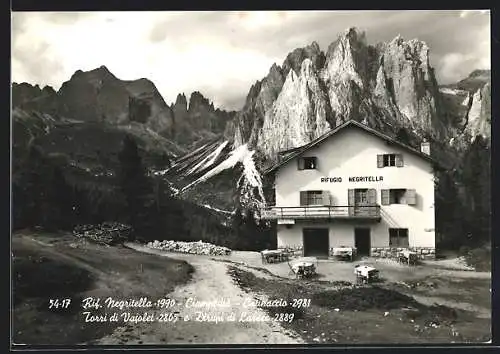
x: 322, y: 212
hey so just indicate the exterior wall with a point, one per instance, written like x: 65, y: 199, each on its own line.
x: 338, y: 235
x: 341, y: 234
x: 351, y: 153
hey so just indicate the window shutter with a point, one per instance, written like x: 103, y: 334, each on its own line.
x: 411, y: 197
x: 350, y: 201
x: 380, y: 161
x: 384, y: 196
x: 399, y: 160
x: 350, y: 197
x: 315, y: 163
x: 300, y: 162
x: 372, y: 196
x: 303, y: 198
x: 326, y: 197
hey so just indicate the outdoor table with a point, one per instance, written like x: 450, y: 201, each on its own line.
x: 366, y: 273
x: 306, y: 264
x: 274, y: 255
x: 344, y: 252
x: 408, y: 256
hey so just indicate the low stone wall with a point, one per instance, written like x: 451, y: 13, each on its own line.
x: 391, y: 252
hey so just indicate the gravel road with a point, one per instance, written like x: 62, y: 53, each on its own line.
x: 210, y: 282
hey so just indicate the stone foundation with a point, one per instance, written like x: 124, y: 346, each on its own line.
x: 391, y: 252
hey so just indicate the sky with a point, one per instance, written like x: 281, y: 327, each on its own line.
x: 221, y: 54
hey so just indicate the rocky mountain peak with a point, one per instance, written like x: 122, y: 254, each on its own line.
x: 181, y: 101
x: 353, y: 34
x: 387, y: 85
x: 413, y: 50
x: 198, y: 101
x: 299, y: 114
x: 297, y: 56
x: 473, y: 82
x: 346, y: 58
x: 480, y: 73
x: 94, y: 76
x: 398, y: 40
x: 102, y: 70
x: 31, y: 97
x: 275, y: 71
x: 48, y: 90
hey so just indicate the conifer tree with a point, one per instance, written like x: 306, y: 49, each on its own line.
x: 135, y: 186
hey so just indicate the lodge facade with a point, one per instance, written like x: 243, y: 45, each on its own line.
x: 354, y: 187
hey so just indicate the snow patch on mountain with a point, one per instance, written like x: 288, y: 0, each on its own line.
x: 475, y: 109
x: 452, y: 91
x: 217, y: 209
x: 209, y: 160
x: 250, y: 178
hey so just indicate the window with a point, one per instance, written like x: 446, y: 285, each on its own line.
x: 361, y: 196
x: 314, y: 198
x: 307, y: 163
x: 389, y: 160
x: 399, y: 196
x: 398, y: 238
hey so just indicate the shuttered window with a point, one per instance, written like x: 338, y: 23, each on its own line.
x: 399, y: 160
x: 351, y: 201
x: 314, y: 198
x: 303, y: 196
x: 380, y: 161
x: 398, y: 238
x: 390, y: 160
x: 307, y: 163
x: 372, y: 196
x: 398, y: 196
x: 411, y: 197
x: 326, y: 198
x: 361, y: 196
x: 385, y: 197
x: 300, y: 163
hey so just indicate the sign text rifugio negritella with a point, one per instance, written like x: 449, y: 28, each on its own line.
x: 353, y: 179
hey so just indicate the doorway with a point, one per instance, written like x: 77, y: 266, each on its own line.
x: 316, y: 242
x: 362, y: 240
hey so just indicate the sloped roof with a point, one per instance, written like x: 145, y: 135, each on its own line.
x: 351, y: 123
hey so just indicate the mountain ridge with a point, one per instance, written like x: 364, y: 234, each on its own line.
x: 388, y: 86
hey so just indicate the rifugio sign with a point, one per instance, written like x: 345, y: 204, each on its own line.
x: 353, y: 179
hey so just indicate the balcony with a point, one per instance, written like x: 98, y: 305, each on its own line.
x: 371, y: 212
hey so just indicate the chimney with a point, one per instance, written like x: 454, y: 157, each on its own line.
x: 425, y: 147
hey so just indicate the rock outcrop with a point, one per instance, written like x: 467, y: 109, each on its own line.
x: 32, y: 98
x: 478, y: 118
x: 98, y: 95
x: 199, y: 121
x: 387, y: 86
x: 300, y: 113
x: 469, y: 103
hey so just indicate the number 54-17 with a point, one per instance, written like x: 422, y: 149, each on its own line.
x: 59, y: 303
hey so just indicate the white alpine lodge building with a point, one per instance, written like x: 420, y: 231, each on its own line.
x: 354, y: 187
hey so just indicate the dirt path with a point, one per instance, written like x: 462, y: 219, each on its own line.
x: 210, y: 282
